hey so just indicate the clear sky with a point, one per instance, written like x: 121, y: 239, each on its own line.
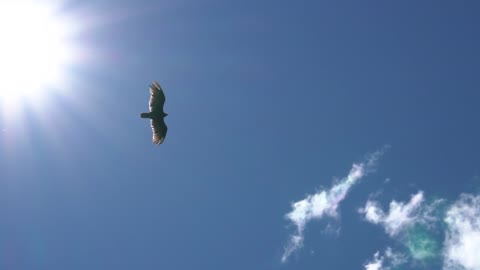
x: 302, y: 135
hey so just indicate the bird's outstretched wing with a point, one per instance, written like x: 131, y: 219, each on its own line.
x: 159, y: 129
x: 157, y: 97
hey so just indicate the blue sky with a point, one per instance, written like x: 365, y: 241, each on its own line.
x: 270, y: 103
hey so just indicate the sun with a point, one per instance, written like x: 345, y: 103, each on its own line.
x: 34, y: 51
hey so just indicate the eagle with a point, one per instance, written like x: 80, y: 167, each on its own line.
x: 156, y: 114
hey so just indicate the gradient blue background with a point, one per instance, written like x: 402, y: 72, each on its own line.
x: 267, y: 102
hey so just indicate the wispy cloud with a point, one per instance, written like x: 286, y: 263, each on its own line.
x: 399, y: 217
x: 376, y: 263
x: 389, y: 260
x: 462, y: 243
x: 325, y: 202
x: 411, y: 224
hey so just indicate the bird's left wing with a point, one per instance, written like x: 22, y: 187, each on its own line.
x: 157, y: 97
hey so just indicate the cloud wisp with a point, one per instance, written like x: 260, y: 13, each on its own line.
x: 388, y: 261
x: 324, y: 203
x: 376, y: 263
x: 400, y: 216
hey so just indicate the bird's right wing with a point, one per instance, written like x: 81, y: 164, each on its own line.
x: 159, y: 129
x: 157, y: 97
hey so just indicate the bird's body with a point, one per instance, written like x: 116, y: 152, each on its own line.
x: 153, y: 115
x: 156, y: 114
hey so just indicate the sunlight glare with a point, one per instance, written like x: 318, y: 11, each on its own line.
x: 34, y: 49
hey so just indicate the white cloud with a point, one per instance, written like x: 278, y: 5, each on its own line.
x: 390, y: 260
x: 317, y: 205
x: 376, y: 263
x: 400, y: 216
x: 462, y: 243
x: 373, y: 212
x: 411, y: 224
x: 324, y: 203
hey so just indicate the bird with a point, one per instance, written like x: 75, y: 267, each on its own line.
x: 156, y: 114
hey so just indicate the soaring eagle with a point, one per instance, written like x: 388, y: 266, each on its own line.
x: 156, y: 114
